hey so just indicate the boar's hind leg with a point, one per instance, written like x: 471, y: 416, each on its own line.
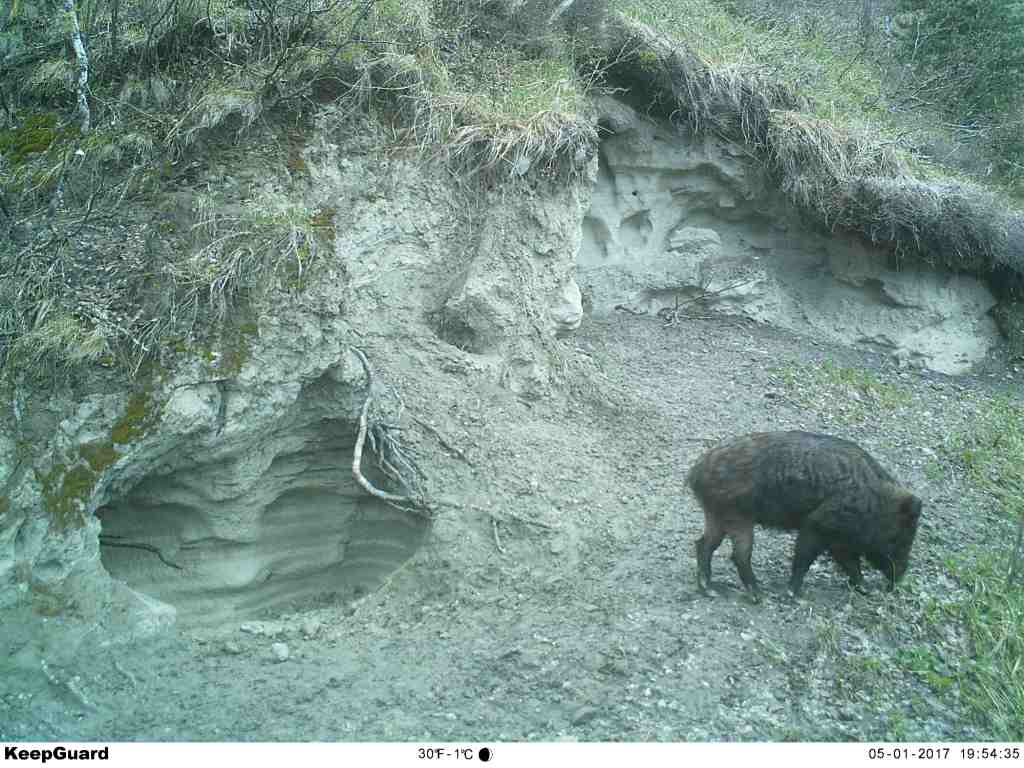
x: 706, y: 546
x: 742, y: 546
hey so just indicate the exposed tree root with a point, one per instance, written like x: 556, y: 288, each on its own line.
x: 391, y: 459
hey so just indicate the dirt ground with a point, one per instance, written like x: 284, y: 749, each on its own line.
x: 577, y: 618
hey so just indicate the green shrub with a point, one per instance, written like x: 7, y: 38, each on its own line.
x: 978, y: 44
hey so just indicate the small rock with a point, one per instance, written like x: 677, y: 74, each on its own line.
x: 280, y: 651
x: 263, y: 628
x: 232, y: 648
x: 584, y: 715
x: 529, y: 660
x: 310, y: 628
x: 614, y: 667
x: 273, y: 628
x: 848, y: 714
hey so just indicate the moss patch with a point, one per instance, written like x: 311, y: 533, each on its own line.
x: 322, y: 223
x: 69, y: 484
x: 47, y: 601
x: 231, y: 360
x: 65, y: 492
x: 137, y: 420
x: 35, y: 135
x: 99, y: 454
x: 235, y: 349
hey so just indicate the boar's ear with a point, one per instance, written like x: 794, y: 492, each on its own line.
x: 911, y: 508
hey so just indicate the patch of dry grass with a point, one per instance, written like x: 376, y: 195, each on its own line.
x: 483, y: 104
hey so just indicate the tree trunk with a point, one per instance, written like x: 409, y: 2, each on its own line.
x: 74, y: 33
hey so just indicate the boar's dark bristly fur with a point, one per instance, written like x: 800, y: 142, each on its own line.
x: 830, y: 490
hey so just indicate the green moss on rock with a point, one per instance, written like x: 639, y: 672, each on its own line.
x: 68, y: 486
x: 235, y: 349
x: 49, y: 601
x: 66, y: 492
x: 137, y: 420
x: 35, y: 135
x: 323, y: 224
x: 99, y: 454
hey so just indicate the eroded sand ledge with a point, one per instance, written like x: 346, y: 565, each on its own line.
x: 673, y: 215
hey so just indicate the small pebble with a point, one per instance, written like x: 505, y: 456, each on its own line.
x: 584, y: 715
x: 280, y: 651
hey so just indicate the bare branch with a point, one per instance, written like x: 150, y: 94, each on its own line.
x: 82, y: 63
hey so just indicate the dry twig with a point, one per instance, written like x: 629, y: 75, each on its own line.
x: 497, y: 540
x: 126, y: 673
x: 672, y: 316
x: 507, y: 516
x: 70, y: 685
x: 446, y: 444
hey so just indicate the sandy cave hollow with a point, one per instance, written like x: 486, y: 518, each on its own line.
x: 282, y: 525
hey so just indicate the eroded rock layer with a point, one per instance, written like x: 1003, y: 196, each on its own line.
x: 675, y: 217
x: 219, y: 484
